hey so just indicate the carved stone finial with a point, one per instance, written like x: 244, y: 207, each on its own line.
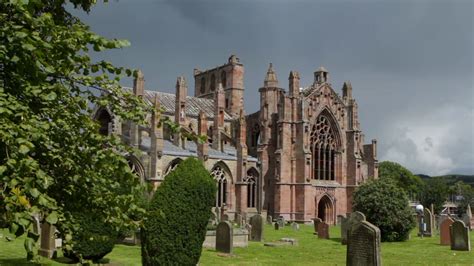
x: 271, y: 78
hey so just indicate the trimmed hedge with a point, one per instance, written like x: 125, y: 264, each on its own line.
x: 175, y: 226
x: 386, y: 206
x: 93, y: 240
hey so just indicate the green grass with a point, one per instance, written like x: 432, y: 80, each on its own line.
x: 310, y: 251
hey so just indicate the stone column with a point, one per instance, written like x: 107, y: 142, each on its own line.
x: 47, y: 248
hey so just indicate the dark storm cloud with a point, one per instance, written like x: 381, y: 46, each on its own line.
x: 410, y: 62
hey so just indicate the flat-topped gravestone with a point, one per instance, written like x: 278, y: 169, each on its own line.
x: 256, y: 222
x: 344, y: 227
x: 445, y: 235
x: 460, y: 236
x: 224, y: 241
x: 48, y: 241
x: 363, y: 248
x: 323, y: 230
x: 295, y: 226
x: 281, y: 221
x: 316, y: 221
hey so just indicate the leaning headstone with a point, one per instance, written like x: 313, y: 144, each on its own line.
x: 248, y: 227
x: 363, y: 247
x: 316, y: 221
x: 344, y: 227
x: 323, y: 230
x: 295, y: 226
x: 224, y: 233
x: 428, y: 220
x: 460, y: 236
x: 445, y: 235
x: 256, y: 222
x: 48, y: 245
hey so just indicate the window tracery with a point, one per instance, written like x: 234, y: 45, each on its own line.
x: 220, y: 176
x: 323, y: 145
x: 251, y: 180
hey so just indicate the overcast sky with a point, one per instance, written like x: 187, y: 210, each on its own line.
x: 410, y: 62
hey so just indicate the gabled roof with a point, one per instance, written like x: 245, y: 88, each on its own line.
x: 193, y: 104
x: 313, y: 89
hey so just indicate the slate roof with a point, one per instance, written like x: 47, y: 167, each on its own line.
x: 230, y: 153
x: 193, y: 104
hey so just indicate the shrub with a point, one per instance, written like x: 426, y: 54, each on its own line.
x: 175, y: 226
x: 386, y: 206
x: 93, y: 240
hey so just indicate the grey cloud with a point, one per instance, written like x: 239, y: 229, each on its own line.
x: 408, y: 61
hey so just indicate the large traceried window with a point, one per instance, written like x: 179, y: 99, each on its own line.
x: 251, y: 180
x: 172, y: 166
x: 323, y: 148
x: 220, y: 176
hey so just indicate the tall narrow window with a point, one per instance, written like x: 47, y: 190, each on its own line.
x: 252, y: 192
x: 213, y: 83
x: 220, y: 177
x: 203, y: 85
x: 223, y: 79
x: 323, y: 148
x: 105, y: 120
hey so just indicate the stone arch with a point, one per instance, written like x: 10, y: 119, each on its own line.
x: 223, y: 79
x: 172, y: 165
x: 136, y: 167
x: 223, y: 177
x: 325, y: 209
x: 252, y: 180
x: 105, y: 120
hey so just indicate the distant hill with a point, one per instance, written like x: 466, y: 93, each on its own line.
x: 451, y: 179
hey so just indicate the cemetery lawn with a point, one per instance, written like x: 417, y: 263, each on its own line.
x: 310, y: 251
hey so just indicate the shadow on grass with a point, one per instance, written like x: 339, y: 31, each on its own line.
x: 14, y: 262
x: 336, y: 239
x: 65, y: 260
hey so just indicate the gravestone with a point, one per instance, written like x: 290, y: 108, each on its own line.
x: 256, y: 222
x: 239, y: 219
x: 323, y: 230
x: 344, y: 226
x: 459, y: 236
x: 444, y: 231
x: 224, y: 241
x: 316, y: 221
x: 429, y: 221
x: 225, y: 217
x: 295, y: 226
x: 248, y: 227
x: 36, y: 225
x: 339, y: 219
x: 48, y: 241
x: 276, y: 226
x: 281, y: 221
x: 363, y: 247
x: 217, y: 214
x: 355, y: 219
x: 467, y: 217
x: 269, y: 219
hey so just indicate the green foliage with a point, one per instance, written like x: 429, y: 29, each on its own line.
x: 52, y: 160
x: 402, y: 176
x: 435, y: 191
x: 177, y: 217
x: 93, y: 240
x: 466, y: 194
x: 386, y: 206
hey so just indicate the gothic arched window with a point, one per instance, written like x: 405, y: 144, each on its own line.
x: 136, y: 167
x: 252, y: 192
x: 203, y: 85
x: 172, y: 166
x: 323, y: 147
x: 213, y: 82
x: 220, y: 176
x: 105, y: 120
x: 223, y: 79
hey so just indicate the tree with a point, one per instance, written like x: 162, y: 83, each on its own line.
x: 465, y: 195
x: 53, y: 161
x: 402, y: 176
x: 386, y: 206
x: 435, y: 191
x: 179, y: 212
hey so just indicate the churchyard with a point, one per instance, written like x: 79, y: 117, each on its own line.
x: 310, y: 250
